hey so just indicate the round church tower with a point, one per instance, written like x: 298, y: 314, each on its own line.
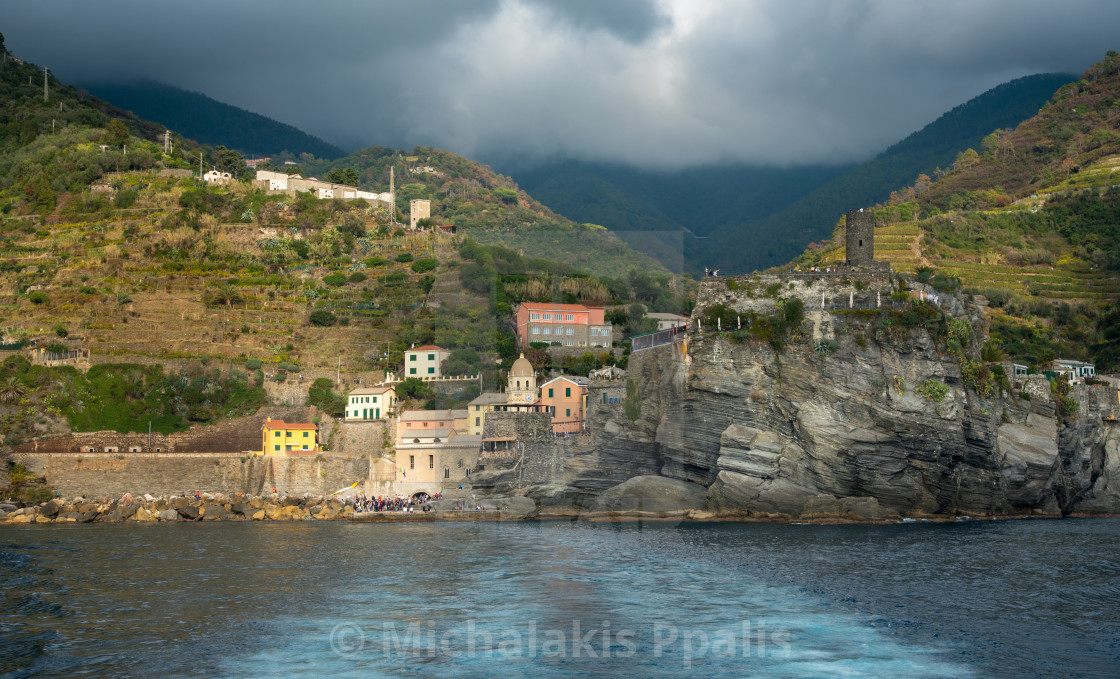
x: 522, y: 387
x: 859, y: 236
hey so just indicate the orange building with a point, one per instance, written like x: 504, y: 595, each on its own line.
x: 567, y: 396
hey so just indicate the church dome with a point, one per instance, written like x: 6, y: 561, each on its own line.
x: 521, y: 367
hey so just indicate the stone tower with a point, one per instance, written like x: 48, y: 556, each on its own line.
x: 859, y: 236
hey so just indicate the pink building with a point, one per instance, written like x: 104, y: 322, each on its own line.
x: 568, y: 325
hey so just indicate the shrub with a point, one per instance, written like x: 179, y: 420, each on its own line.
x: 933, y: 390
x: 38, y: 297
x: 61, y: 330
x: 253, y: 364
x: 335, y: 279
x: 826, y: 347
x: 322, y: 318
x: 404, y: 257
x: 357, y: 277
x: 425, y: 264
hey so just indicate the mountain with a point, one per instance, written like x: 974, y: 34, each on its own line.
x: 777, y: 211
x: 208, y: 121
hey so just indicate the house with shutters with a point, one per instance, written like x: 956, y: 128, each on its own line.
x: 566, y: 396
x: 370, y: 403
x: 424, y: 362
x: 279, y: 437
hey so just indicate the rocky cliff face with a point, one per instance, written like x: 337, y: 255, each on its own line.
x: 843, y: 435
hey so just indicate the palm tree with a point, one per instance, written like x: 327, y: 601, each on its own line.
x: 11, y: 389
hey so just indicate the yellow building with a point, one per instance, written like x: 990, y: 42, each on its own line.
x: 278, y: 436
x: 487, y: 402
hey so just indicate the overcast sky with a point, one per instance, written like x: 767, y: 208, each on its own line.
x: 653, y: 83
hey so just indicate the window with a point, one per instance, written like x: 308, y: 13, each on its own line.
x: 569, y: 317
x: 569, y: 331
x: 431, y: 357
x: 569, y: 343
x: 412, y: 357
x: 546, y: 331
x: 535, y: 316
x: 548, y: 317
x: 375, y: 400
x: 550, y: 393
x: 478, y: 421
x: 275, y: 433
x: 536, y: 331
x: 288, y: 434
x: 468, y: 471
x: 412, y: 462
x: 431, y: 462
x: 431, y: 370
x: 412, y: 371
x: 567, y: 391
x: 276, y: 447
x: 446, y: 472
x: 567, y: 412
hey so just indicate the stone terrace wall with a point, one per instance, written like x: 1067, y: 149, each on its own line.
x: 523, y: 426
x: 232, y: 436
x: 112, y: 475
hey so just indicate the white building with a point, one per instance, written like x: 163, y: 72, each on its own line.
x: 370, y: 403
x: 1075, y: 370
x: 668, y: 321
x: 424, y: 361
x: 215, y: 177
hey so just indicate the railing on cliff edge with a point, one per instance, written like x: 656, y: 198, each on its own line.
x: 656, y: 339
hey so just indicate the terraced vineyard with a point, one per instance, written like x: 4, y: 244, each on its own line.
x: 128, y: 289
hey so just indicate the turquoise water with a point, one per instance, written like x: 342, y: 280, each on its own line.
x: 975, y: 599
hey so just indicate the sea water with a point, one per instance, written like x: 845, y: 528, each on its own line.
x: 971, y: 599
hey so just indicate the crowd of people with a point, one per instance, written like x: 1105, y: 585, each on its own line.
x: 400, y: 503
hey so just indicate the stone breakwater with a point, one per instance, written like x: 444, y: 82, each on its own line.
x: 219, y: 507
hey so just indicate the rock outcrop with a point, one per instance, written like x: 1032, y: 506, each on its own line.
x: 840, y: 434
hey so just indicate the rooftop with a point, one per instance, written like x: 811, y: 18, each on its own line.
x: 363, y: 391
x: 488, y: 398
x: 429, y: 415
x: 428, y: 347
x: 281, y: 424
x: 557, y: 307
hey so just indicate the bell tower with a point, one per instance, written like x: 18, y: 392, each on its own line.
x: 859, y: 238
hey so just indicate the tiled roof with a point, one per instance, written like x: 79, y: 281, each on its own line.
x: 363, y: 391
x: 556, y: 307
x: 281, y: 424
x: 428, y: 347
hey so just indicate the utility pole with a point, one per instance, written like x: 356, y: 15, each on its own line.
x: 149, y: 436
x: 338, y: 373
x: 392, y: 198
x: 45, y: 97
x: 167, y: 141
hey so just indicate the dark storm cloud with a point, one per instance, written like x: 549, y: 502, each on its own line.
x: 657, y: 83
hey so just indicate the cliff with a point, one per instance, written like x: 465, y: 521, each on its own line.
x: 840, y: 433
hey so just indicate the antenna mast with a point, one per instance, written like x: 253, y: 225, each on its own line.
x: 45, y: 97
x: 392, y: 198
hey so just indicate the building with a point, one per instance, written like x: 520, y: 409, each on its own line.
x: 668, y: 321
x: 253, y: 162
x: 568, y: 325
x: 430, y: 426
x: 859, y: 238
x: 281, y: 182
x: 217, y: 178
x: 418, y: 209
x: 278, y: 436
x: 1076, y: 371
x: 487, y: 402
x: 567, y: 397
x: 433, y: 451
x: 424, y: 362
x: 522, y: 382
x: 370, y: 403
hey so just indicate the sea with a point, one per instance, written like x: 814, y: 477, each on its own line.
x: 1026, y: 598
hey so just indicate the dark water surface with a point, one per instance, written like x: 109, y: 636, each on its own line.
x: 983, y: 599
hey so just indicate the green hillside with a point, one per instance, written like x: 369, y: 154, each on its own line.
x: 1031, y: 221
x: 208, y: 121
